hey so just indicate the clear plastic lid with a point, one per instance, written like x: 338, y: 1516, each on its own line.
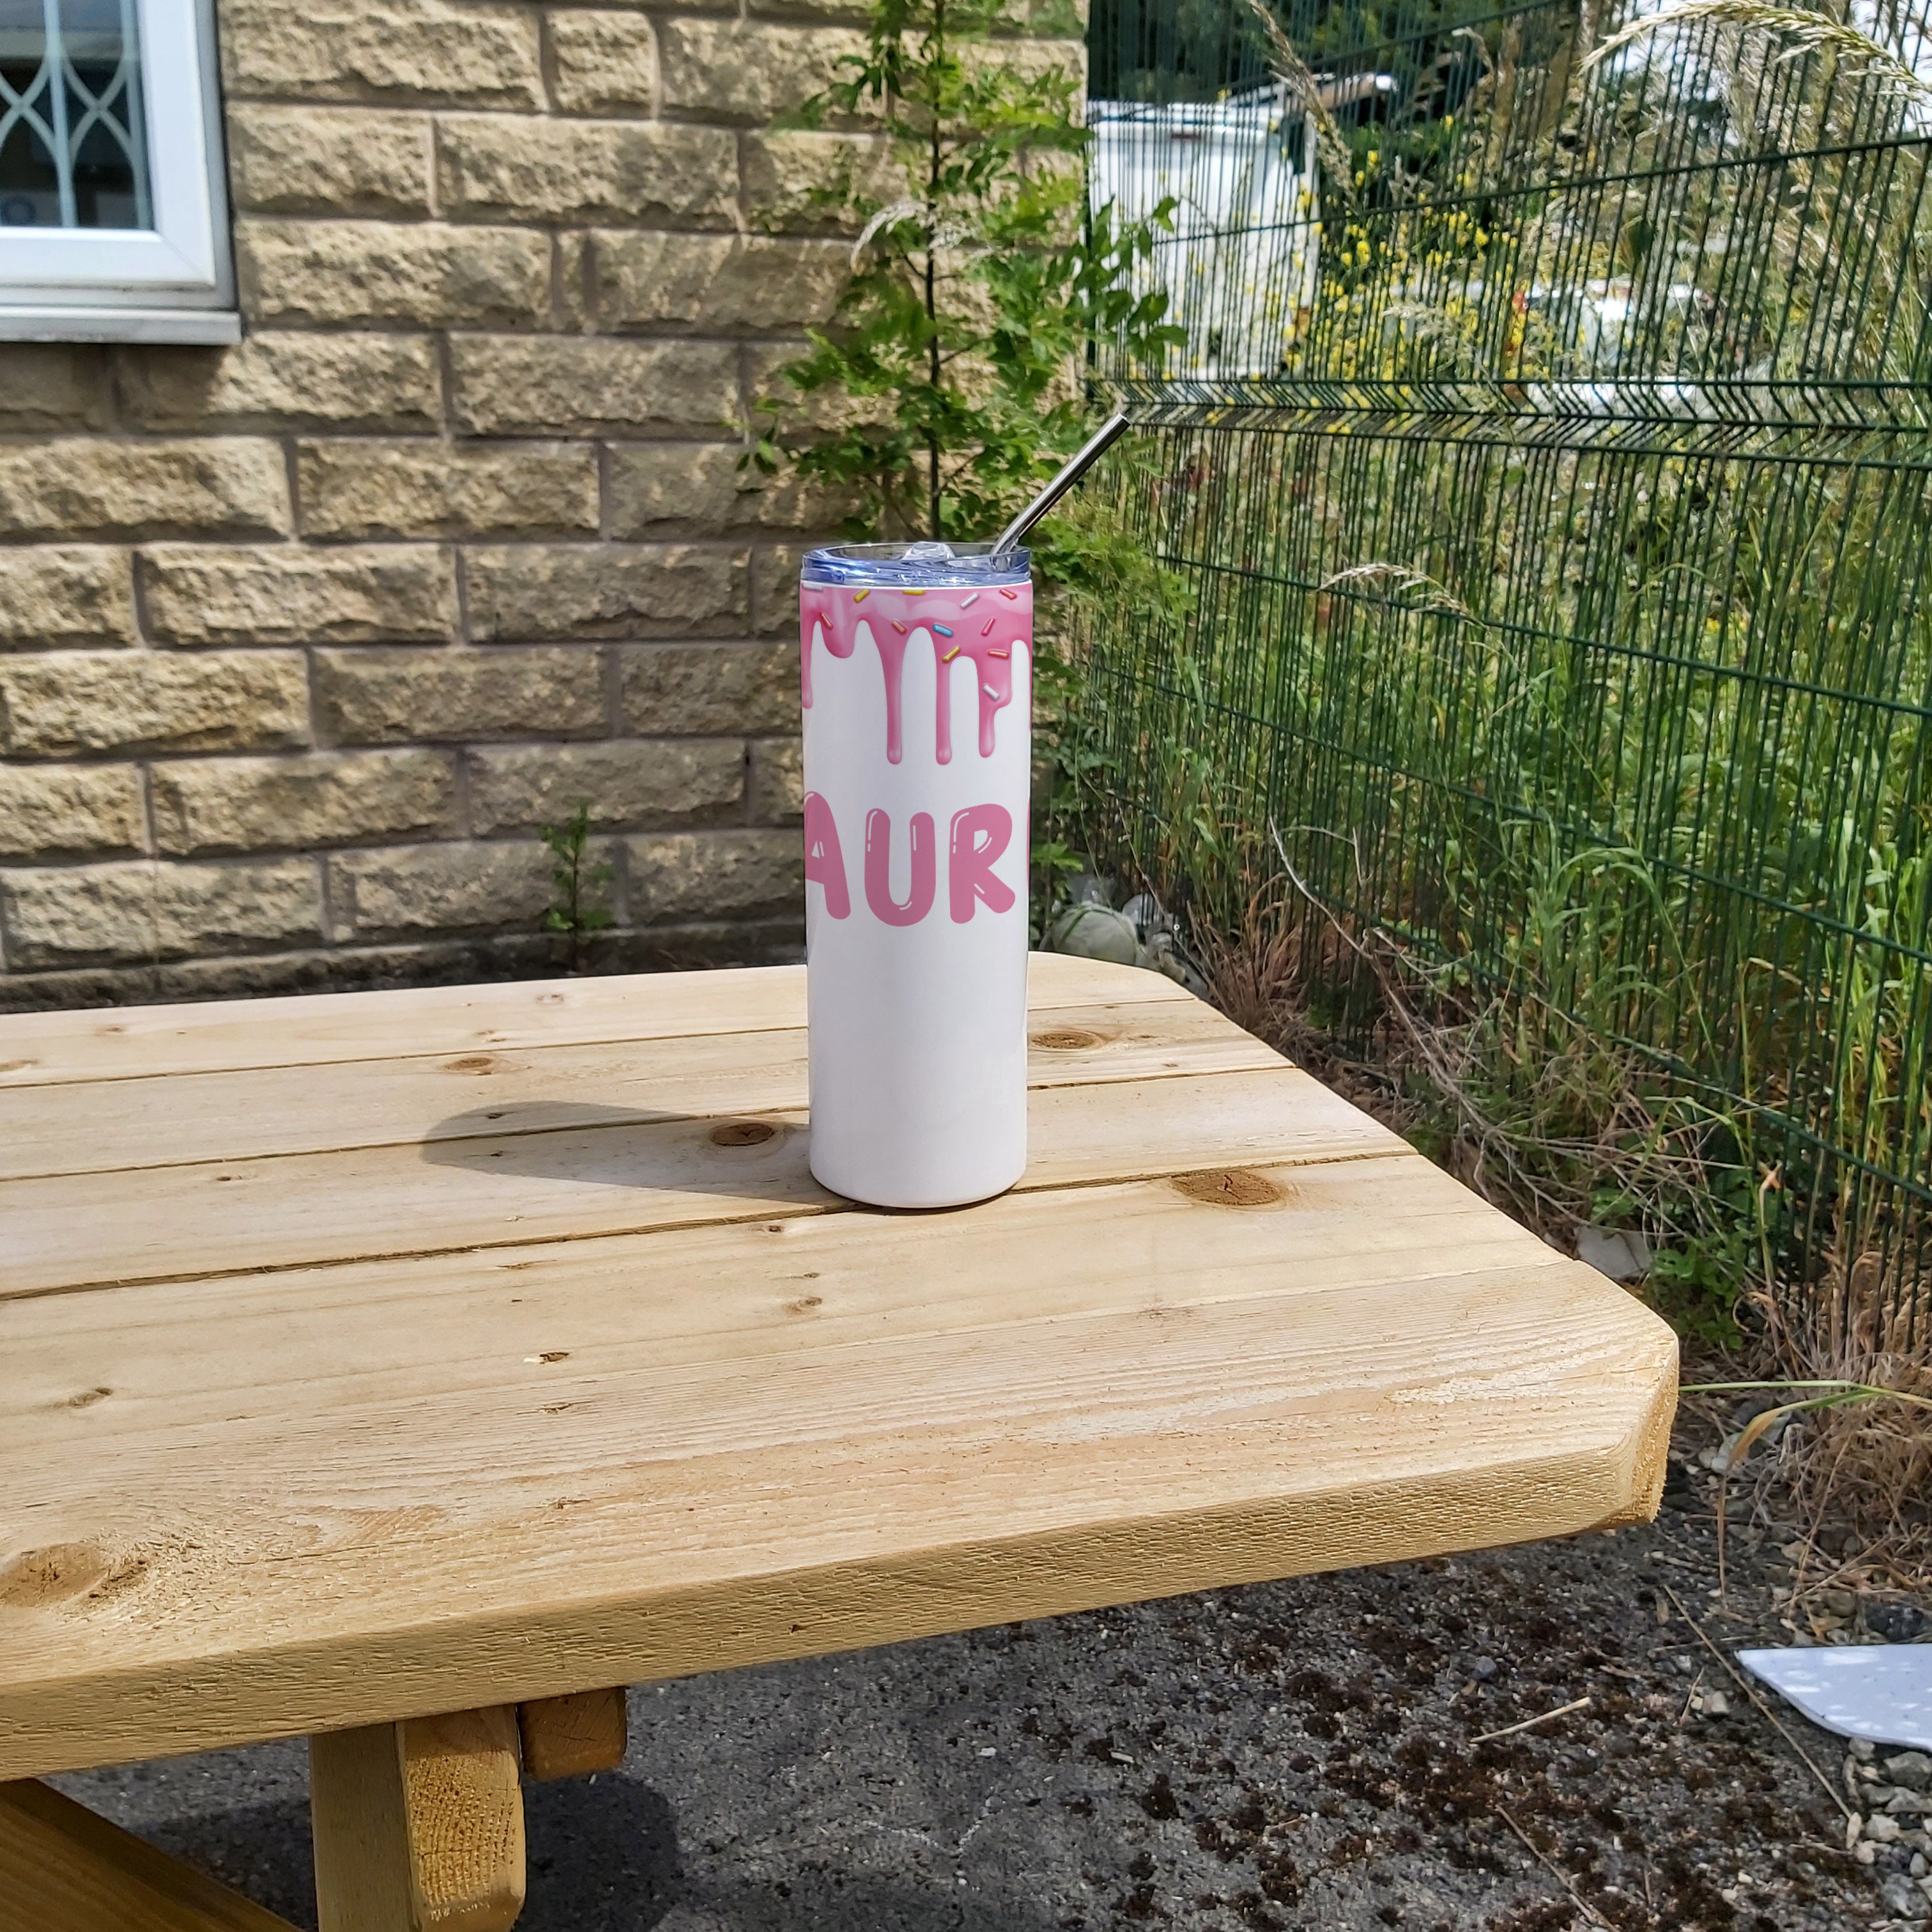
x: 924, y: 565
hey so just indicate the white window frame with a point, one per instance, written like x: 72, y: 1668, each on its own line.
x: 175, y: 282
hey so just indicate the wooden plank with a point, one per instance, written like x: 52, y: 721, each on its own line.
x: 76, y: 1230
x: 418, y: 1826
x: 86, y: 1368
x: 65, y: 1869
x: 314, y: 1029
x: 360, y: 1826
x: 1115, y: 1392
x: 166, y: 1121
x: 464, y: 1804
x: 571, y: 1737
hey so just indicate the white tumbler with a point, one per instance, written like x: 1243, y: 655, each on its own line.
x: 917, y: 666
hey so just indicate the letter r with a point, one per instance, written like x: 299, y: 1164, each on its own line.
x: 980, y: 834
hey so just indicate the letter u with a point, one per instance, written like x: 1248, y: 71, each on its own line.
x: 879, y: 869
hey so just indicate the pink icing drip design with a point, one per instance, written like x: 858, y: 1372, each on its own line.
x: 891, y: 618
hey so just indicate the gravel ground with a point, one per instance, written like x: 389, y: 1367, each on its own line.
x: 1304, y: 1754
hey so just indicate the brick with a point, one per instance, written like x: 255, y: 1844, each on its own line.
x: 696, y: 489
x: 383, y: 50
x: 605, y: 590
x: 777, y: 781
x: 65, y: 595
x: 672, y: 690
x: 288, y: 594
x: 748, y: 70
x: 605, y: 62
x: 434, y: 489
x: 53, y: 386
x: 497, y: 166
x: 327, y: 798
x: 77, y: 487
x: 684, y: 875
x: 370, y: 271
x: 75, y: 702
x: 624, y: 782
x: 828, y: 411
x: 723, y: 284
x: 559, y: 385
x: 145, y: 911
x: 801, y: 181
x: 70, y: 811
x: 403, y: 696
x: 774, y: 590
x: 285, y: 379
x: 329, y: 160
x: 442, y: 888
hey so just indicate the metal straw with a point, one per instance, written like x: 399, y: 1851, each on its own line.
x: 1089, y: 452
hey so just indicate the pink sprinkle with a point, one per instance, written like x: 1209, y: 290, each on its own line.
x: 898, y: 627
x: 999, y: 654
x: 1010, y: 593
x: 950, y: 654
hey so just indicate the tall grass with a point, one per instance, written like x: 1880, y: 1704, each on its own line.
x: 1547, y: 727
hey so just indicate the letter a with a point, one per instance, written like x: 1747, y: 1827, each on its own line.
x: 879, y: 869
x: 823, y: 860
x: 980, y: 834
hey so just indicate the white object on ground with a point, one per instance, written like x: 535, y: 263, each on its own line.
x: 1882, y: 1692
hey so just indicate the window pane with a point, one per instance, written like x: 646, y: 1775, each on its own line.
x: 72, y: 139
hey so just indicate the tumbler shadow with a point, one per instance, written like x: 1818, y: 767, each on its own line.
x: 741, y: 1157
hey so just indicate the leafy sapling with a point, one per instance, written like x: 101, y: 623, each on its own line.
x: 573, y: 910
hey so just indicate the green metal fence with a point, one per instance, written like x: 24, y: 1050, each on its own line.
x: 1547, y: 472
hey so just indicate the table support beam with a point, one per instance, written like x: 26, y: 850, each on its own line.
x: 419, y: 1825
x: 65, y: 1869
x: 566, y: 1737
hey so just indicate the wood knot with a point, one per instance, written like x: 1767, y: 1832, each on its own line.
x: 741, y: 1133
x: 805, y: 1304
x: 471, y: 1062
x: 1231, y: 1187
x: 1066, y: 1039
x: 88, y: 1398
x: 55, y: 1575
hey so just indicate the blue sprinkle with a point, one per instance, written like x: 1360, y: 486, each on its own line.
x: 944, y: 630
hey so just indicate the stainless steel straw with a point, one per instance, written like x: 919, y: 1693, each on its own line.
x: 1089, y: 452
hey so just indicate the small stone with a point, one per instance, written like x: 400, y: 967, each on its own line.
x: 1716, y: 1704
x: 1864, y: 1749
x: 1881, y: 1830
x: 1865, y: 1854
x: 1912, y: 1769
x: 1483, y: 1669
x: 1902, y: 1896
x: 1894, y: 1621
x: 1919, y: 1867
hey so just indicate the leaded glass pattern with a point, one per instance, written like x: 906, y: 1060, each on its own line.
x: 72, y: 147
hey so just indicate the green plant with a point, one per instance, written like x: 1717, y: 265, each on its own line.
x: 573, y: 911
x: 959, y: 345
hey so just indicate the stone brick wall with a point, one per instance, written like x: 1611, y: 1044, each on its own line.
x: 301, y: 641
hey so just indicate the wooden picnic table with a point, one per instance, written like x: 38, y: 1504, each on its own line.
x: 407, y: 1370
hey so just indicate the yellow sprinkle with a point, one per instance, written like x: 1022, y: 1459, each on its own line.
x: 950, y: 654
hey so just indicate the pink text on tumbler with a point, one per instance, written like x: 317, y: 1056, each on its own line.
x: 977, y: 839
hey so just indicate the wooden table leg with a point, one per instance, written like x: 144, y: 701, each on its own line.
x: 565, y: 1737
x: 418, y: 1825
x: 63, y: 1869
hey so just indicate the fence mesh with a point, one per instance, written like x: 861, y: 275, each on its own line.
x: 1547, y: 477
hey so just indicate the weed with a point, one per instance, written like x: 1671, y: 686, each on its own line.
x: 573, y: 910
